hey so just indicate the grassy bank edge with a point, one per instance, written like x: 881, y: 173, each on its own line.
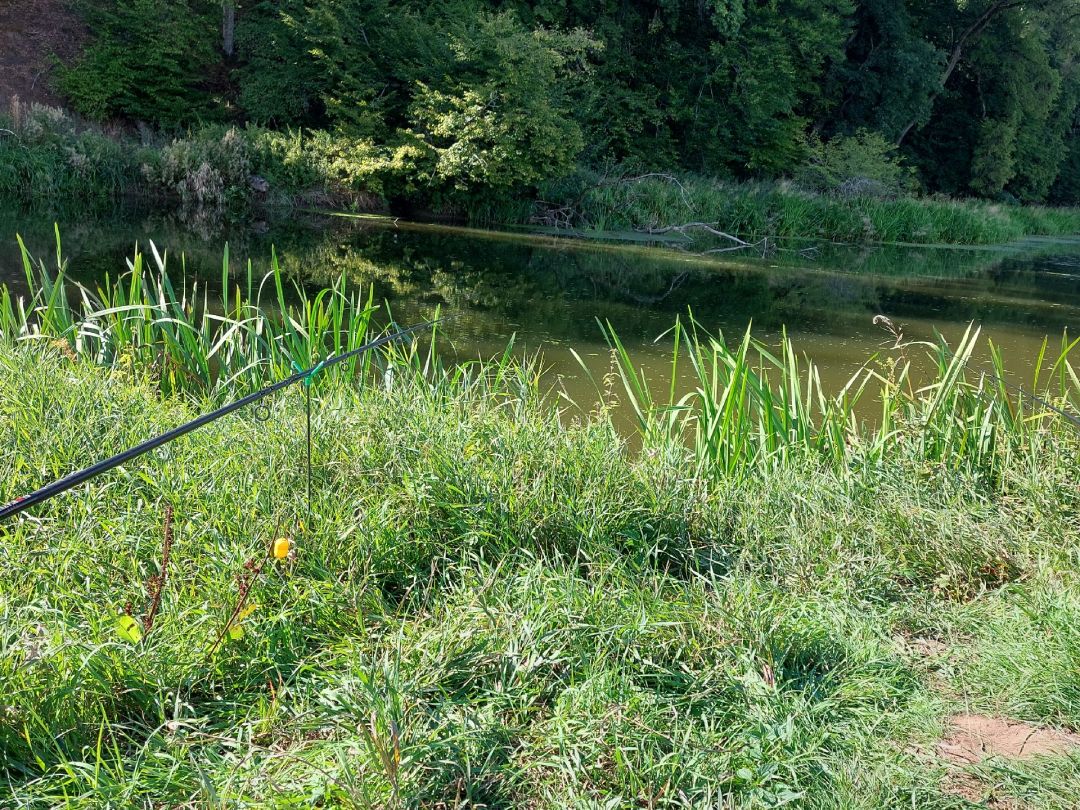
x: 496, y: 604
x: 499, y: 602
x: 49, y: 159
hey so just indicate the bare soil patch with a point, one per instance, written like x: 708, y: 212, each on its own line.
x: 33, y: 33
x: 973, y: 738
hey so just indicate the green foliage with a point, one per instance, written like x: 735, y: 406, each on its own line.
x: 753, y: 406
x: 470, y: 105
x: 890, y: 72
x: 1066, y: 188
x: 147, y: 60
x: 208, y: 170
x: 49, y: 158
x: 1042, y: 147
x: 769, y: 78
x: 863, y: 164
x: 280, y: 82
x: 754, y: 211
x: 243, y: 338
x: 992, y: 164
x: 1001, y: 116
x: 510, y: 126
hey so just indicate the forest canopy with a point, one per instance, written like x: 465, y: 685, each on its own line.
x: 961, y: 97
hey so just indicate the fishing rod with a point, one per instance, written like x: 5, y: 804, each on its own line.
x: 76, y: 478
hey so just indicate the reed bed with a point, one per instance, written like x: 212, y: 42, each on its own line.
x: 755, y: 405
x: 753, y: 211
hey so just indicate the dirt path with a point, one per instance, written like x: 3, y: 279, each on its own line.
x: 32, y: 32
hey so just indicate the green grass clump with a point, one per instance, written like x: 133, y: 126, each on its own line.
x: 243, y: 334
x: 50, y: 158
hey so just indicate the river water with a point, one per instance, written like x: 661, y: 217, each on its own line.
x: 548, y: 292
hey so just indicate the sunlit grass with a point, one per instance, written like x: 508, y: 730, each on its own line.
x: 244, y: 333
x: 497, y: 604
x: 756, y: 406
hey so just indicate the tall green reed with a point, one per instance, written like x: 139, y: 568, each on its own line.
x: 753, y: 405
x: 186, y: 336
x: 754, y: 211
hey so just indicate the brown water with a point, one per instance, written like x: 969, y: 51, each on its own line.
x: 548, y: 293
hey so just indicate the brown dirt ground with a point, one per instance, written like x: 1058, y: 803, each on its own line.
x: 972, y: 738
x: 32, y: 33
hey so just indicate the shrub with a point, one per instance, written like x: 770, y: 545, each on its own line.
x: 210, y: 170
x: 147, y: 60
x: 862, y: 165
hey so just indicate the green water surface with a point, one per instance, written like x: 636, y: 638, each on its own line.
x: 547, y: 292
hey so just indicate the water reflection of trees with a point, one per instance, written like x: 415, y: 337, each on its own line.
x: 560, y: 288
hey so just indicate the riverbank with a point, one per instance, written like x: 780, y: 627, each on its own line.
x: 792, y: 217
x: 49, y: 160
x: 493, y: 605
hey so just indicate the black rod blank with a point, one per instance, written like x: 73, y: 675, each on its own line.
x: 76, y: 478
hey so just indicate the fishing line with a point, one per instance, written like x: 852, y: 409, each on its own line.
x: 74, y: 479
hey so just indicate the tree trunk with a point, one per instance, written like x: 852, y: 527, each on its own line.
x: 976, y: 28
x: 228, y: 26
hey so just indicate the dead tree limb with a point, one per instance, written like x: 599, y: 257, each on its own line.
x: 700, y: 226
x: 663, y: 176
x: 765, y: 246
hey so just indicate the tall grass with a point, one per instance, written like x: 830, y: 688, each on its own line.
x: 753, y: 211
x: 243, y: 334
x: 498, y: 606
x: 751, y: 404
x: 50, y: 158
x: 754, y: 405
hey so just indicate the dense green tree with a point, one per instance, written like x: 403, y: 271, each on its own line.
x: 148, y: 60
x: 453, y: 97
x: 280, y: 82
x: 889, y: 76
x: 768, y: 81
x: 1066, y: 188
x: 723, y: 86
x: 503, y: 119
x: 1006, y: 96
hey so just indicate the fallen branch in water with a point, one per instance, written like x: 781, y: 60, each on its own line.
x: 765, y: 245
x: 704, y: 226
